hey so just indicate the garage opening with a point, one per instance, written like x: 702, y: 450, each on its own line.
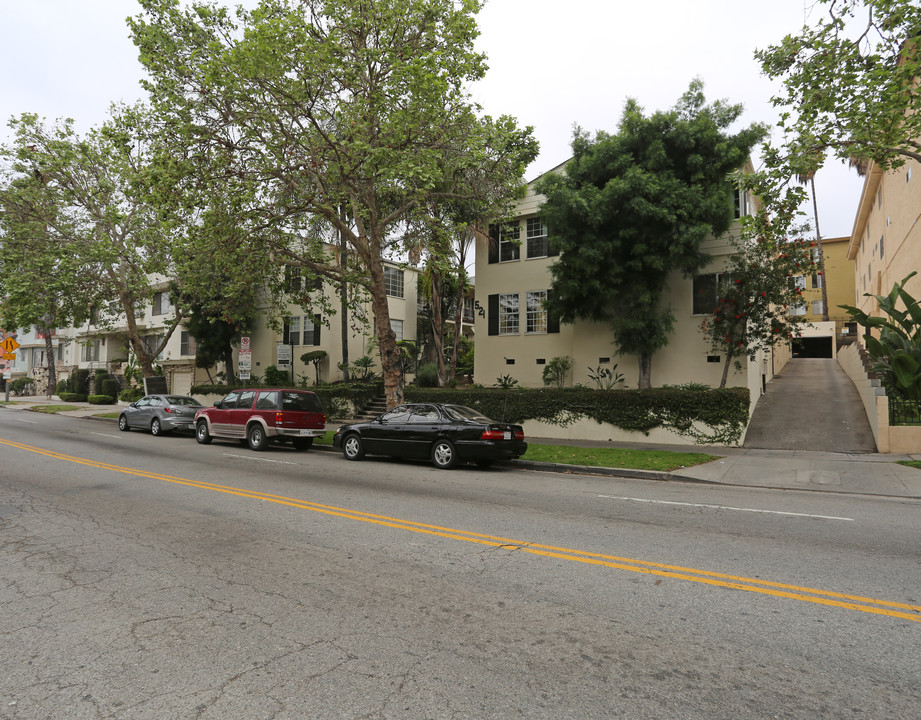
x: 813, y: 347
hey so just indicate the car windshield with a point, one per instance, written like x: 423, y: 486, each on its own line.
x: 182, y: 400
x: 462, y: 412
x: 304, y: 402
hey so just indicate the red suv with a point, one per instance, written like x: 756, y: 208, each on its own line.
x: 262, y: 415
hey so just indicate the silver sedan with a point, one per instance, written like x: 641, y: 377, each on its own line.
x: 160, y: 414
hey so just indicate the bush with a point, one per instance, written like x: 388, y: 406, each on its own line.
x: 72, y: 397
x: 556, y: 370
x: 79, y: 382
x: 100, y: 399
x: 132, y: 394
x: 723, y: 411
x: 427, y: 375
x: 20, y: 385
x: 109, y: 387
x: 277, y: 378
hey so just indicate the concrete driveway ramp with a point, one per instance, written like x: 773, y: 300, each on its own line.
x: 811, y: 405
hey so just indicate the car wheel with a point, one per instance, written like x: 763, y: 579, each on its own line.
x: 303, y: 443
x: 123, y: 423
x: 201, y: 432
x: 256, y: 437
x: 444, y: 455
x: 352, y: 447
x: 155, y: 428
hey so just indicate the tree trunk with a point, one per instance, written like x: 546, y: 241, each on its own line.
x: 438, y: 328
x: 386, y: 339
x: 729, y: 357
x: 458, y: 320
x: 645, y: 362
x: 818, y: 242
x: 50, y: 359
x: 344, y: 300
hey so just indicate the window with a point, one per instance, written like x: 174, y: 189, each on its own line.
x: 291, y: 333
x: 468, y: 310
x: 267, y: 400
x: 817, y: 308
x: 293, y: 279
x: 706, y: 292
x: 161, y: 303
x: 536, y: 312
x: 740, y: 203
x: 799, y: 309
x: 797, y: 282
x: 186, y: 343
x: 397, y: 327
x: 310, y: 328
x: 536, y: 233
x: 508, y: 314
x: 91, y: 351
x: 393, y: 282
x: 425, y: 414
x: 509, y: 242
x: 816, y: 281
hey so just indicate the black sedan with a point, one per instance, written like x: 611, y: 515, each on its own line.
x: 444, y: 434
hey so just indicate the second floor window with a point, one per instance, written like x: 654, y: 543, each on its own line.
x: 186, y: 343
x: 161, y: 303
x: 536, y: 312
x: 393, y: 282
x: 538, y: 243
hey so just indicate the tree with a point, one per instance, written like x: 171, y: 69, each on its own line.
x: 634, y: 207
x: 754, y: 294
x: 112, y: 232
x: 310, y: 106
x: 850, y: 85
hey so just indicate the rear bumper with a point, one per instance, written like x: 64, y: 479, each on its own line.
x: 488, y: 450
x: 297, y: 432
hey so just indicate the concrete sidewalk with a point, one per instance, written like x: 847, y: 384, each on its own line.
x: 858, y: 473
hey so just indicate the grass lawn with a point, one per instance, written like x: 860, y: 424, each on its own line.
x: 326, y: 439
x: 910, y: 463
x: 112, y: 415
x: 615, y: 457
x: 54, y: 408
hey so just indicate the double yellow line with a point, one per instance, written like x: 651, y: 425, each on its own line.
x: 904, y: 611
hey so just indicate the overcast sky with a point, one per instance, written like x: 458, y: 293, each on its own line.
x: 553, y: 64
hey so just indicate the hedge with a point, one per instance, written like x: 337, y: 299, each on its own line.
x: 723, y: 411
x: 333, y: 396
x: 72, y: 397
x: 100, y: 400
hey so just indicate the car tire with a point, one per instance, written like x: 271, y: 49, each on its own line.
x: 123, y: 423
x: 444, y: 454
x: 201, y: 432
x: 156, y: 429
x: 302, y: 443
x: 256, y: 437
x: 352, y: 447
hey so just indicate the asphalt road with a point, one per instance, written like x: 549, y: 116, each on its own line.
x: 146, y: 577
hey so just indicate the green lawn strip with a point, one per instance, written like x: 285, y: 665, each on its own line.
x: 112, y: 415
x: 615, y: 457
x: 54, y: 408
x: 910, y: 463
x: 327, y: 439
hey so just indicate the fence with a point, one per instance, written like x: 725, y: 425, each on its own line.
x: 904, y: 412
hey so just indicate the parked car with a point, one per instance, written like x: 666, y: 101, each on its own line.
x: 259, y: 416
x: 160, y: 414
x: 444, y: 434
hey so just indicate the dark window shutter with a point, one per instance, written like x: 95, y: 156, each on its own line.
x: 553, y: 320
x: 493, y: 243
x: 317, y: 320
x: 493, y: 314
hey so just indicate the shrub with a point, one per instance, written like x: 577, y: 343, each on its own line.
x: 556, y: 370
x: 427, y: 375
x: 20, y: 385
x: 131, y: 394
x: 72, y: 397
x: 277, y: 378
x: 723, y: 411
x: 100, y: 399
x: 109, y: 386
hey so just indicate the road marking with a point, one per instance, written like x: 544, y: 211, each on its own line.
x: 107, y: 435
x: 829, y: 598
x: 31, y: 422
x: 253, y: 457
x: 724, y: 507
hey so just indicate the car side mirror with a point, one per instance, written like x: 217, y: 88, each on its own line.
x: 218, y: 403
x: 134, y: 404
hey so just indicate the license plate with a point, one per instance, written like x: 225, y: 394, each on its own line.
x: 507, y: 435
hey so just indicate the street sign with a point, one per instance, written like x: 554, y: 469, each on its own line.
x: 244, y: 361
x: 244, y: 342
x: 283, y: 355
x: 8, y: 356
x: 243, y: 375
x: 9, y: 345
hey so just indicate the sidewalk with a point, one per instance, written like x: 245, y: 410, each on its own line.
x: 858, y: 473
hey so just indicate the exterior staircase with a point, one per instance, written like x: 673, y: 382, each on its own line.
x: 374, y: 408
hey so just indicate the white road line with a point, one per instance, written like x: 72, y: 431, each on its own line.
x: 250, y: 457
x: 725, y: 507
x: 31, y: 422
x: 107, y: 435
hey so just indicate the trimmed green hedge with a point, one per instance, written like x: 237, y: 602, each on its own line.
x: 339, y: 399
x: 101, y: 400
x: 72, y: 397
x: 723, y: 411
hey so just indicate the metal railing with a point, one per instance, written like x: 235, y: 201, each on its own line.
x: 904, y: 412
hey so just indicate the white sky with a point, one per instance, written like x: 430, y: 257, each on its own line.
x: 553, y: 64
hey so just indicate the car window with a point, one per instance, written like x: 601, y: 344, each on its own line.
x: 245, y: 399
x: 183, y: 401
x: 267, y: 400
x: 399, y: 414
x: 425, y: 414
x: 230, y: 401
x: 462, y: 412
x: 301, y: 401
x: 143, y: 402
x: 156, y: 402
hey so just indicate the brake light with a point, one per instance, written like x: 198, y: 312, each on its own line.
x: 168, y: 409
x: 519, y: 434
x: 279, y: 418
x: 492, y: 435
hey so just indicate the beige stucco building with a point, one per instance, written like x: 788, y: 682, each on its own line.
x: 515, y: 336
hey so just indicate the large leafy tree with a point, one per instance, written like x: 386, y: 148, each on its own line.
x: 758, y: 289
x: 309, y: 107
x: 112, y: 235
x: 633, y: 207
x: 850, y: 85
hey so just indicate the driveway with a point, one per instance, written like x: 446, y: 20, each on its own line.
x: 811, y: 405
